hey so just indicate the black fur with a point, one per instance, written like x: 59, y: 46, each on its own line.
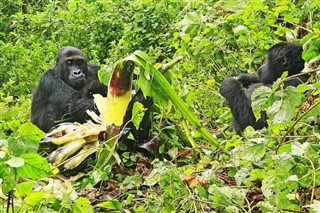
x: 65, y: 91
x: 284, y: 56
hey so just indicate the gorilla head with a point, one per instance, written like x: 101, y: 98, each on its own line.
x: 72, y: 67
x: 284, y: 56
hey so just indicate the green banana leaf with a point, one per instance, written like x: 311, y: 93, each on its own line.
x: 154, y: 84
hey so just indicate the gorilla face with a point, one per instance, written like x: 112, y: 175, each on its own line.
x: 72, y: 67
x: 77, y: 72
x: 269, y: 72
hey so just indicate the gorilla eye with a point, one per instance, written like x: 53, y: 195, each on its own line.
x: 69, y: 62
x: 80, y: 62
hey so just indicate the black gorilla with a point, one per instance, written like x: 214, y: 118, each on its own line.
x: 284, y: 56
x: 64, y: 93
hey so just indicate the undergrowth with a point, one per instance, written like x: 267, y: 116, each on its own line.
x: 276, y: 169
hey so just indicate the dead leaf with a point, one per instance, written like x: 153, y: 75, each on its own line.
x: 195, y: 180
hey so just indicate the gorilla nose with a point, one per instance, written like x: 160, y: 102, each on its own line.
x: 77, y: 73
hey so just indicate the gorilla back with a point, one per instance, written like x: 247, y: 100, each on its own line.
x: 64, y: 92
x: 284, y: 56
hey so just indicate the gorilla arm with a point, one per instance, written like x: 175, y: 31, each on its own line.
x: 48, y: 106
x: 95, y: 86
x: 240, y: 104
x: 53, y: 99
x: 56, y: 92
x: 78, y: 108
x: 246, y: 79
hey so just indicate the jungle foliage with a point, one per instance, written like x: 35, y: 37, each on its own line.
x: 276, y: 169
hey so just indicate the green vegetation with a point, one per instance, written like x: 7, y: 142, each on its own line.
x: 276, y: 169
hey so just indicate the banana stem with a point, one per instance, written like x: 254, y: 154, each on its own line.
x: 119, y: 94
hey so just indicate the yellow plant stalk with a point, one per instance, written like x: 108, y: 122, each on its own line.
x: 113, y: 108
x: 116, y: 108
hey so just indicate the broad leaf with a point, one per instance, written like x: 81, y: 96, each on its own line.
x: 253, y: 153
x: 10, y: 179
x: 191, y: 24
x: 259, y: 98
x: 33, y: 200
x: 284, y: 110
x: 35, y: 167
x: 138, y: 112
x: 15, y: 162
x: 31, y: 131
x: 82, y: 205
x: 153, y: 178
x: 24, y: 189
x: 112, y: 205
x: 29, y: 140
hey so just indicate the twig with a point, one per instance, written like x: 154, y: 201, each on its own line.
x: 295, y: 123
x: 10, y: 202
x: 314, y: 179
x: 295, y: 211
x: 297, y: 25
x: 169, y: 65
x: 299, y: 74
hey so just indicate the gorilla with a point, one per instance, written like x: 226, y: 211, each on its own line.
x: 64, y: 92
x: 237, y: 88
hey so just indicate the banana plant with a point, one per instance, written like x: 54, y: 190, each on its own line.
x: 112, y: 111
x: 152, y: 83
x: 113, y: 108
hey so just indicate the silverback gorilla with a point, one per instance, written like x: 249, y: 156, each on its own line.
x: 284, y: 56
x: 64, y: 92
